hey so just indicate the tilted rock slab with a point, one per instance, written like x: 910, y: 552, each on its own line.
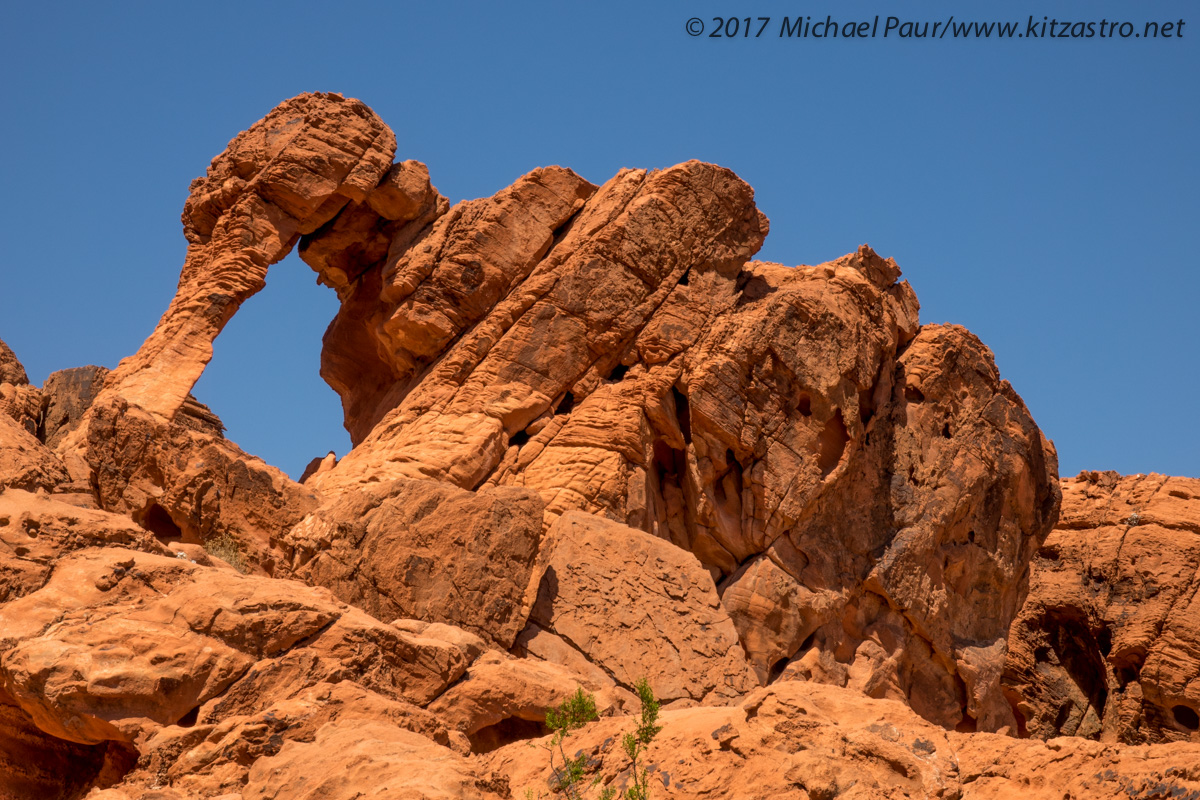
x: 1107, y: 646
x: 425, y: 550
x: 637, y: 607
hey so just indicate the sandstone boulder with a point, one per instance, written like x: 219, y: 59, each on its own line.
x: 190, y: 486
x: 369, y: 761
x: 637, y: 607
x: 502, y: 699
x: 426, y: 550
x: 25, y: 463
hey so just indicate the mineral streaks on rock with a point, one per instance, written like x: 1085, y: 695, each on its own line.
x: 1107, y: 646
x: 287, y: 175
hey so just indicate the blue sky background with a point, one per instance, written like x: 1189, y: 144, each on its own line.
x: 1041, y: 193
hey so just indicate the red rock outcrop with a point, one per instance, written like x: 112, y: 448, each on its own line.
x: 425, y: 550
x: 803, y: 740
x: 288, y: 175
x: 613, y: 350
x: 1108, y: 644
x: 18, y: 400
x: 190, y: 485
x: 25, y: 463
x: 635, y: 606
x: 593, y: 442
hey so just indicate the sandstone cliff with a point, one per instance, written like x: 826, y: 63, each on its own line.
x: 594, y: 442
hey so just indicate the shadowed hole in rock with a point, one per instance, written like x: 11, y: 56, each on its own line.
x: 159, y: 522
x: 804, y: 405
x: 670, y: 465
x: 913, y: 395
x: 518, y: 439
x: 1078, y: 652
x: 751, y: 287
x: 190, y: 718
x: 618, y: 372
x: 967, y: 724
x: 1125, y: 675
x: 865, y: 408
x: 777, y: 669
x: 1187, y: 717
x: 729, y: 485
x: 832, y: 443
x: 683, y: 279
x: 684, y: 412
x: 1104, y: 641
x: 504, y: 732
x: 946, y: 431
x: 567, y: 403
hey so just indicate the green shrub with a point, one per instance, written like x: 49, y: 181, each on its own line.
x: 634, y: 744
x: 226, y: 548
x: 577, y: 711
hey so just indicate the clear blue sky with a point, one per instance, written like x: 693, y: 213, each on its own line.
x: 1044, y: 193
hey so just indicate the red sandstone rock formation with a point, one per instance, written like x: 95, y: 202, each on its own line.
x: 594, y: 442
x: 1108, y: 644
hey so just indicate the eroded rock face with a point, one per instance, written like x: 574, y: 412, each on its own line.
x: 188, y: 485
x: 287, y: 175
x: 428, y: 551
x: 594, y: 442
x: 37, y: 531
x: 636, y: 606
x: 67, y: 394
x: 803, y: 740
x: 119, y: 643
x: 612, y: 350
x: 25, y: 463
x: 18, y: 400
x: 1108, y: 644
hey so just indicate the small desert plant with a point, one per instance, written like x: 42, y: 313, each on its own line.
x: 226, y: 548
x: 634, y: 744
x: 1135, y: 519
x: 570, y: 715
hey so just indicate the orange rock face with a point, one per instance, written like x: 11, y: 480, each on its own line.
x: 18, y: 400
x: 428, y: 551
x: 593, y: 443
x: 613, y: 350
x: 1108, y: 644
